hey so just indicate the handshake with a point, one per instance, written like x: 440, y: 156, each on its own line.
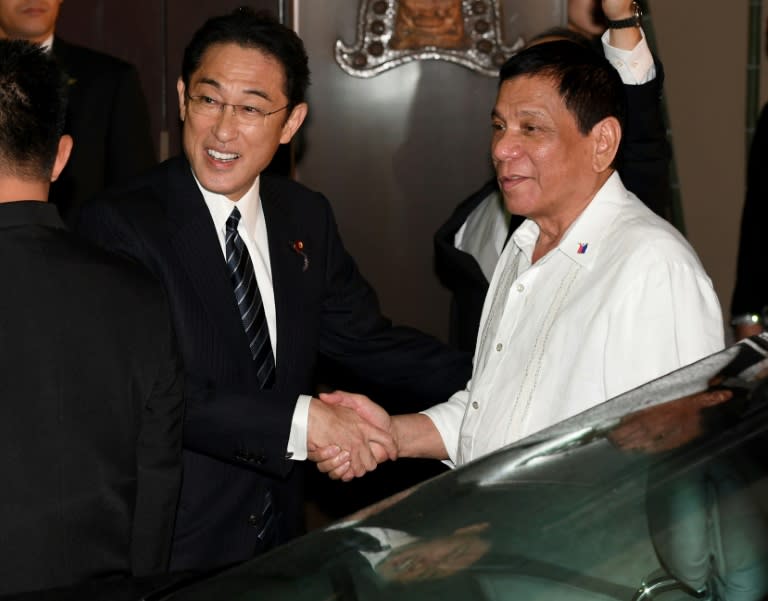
x: 349, y: 435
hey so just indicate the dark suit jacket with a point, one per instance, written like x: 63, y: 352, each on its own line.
x: 750, y: 294
x: 108, y: 118
x: 236, y: 434
x: 91, y: 412
x: 643, y: 164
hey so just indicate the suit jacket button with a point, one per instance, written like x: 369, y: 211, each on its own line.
x: 254, y: 520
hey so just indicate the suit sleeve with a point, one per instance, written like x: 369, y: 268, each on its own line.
x: 644, y: 160
x: 158, y: 453
x: 751, y: 292
x: 408, y: 369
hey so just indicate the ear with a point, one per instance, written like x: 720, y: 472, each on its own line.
x: 606, y: 135
x: 293, y: 123
x: 62, y: 156
x: 181, y: 90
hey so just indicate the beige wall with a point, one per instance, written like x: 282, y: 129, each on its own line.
x: 704, y: 48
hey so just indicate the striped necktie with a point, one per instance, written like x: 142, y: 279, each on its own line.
x: 249, y: 301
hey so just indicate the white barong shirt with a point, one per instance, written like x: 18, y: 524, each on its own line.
x: 621, y: 300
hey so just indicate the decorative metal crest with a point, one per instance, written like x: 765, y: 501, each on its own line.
x: 391, y: 33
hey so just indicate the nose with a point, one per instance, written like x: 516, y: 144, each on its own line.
x: 506, y: 146
x: 225, y: 127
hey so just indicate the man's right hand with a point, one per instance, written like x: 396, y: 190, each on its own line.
x: 353, y: 439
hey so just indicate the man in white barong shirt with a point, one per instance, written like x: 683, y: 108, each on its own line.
x: 593, y: 295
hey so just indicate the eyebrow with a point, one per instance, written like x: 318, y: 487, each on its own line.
x: 522, y: 113
x: 217, y: 85
x: 531, y: 113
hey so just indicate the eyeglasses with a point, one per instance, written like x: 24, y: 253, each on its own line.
x: 244, y: 113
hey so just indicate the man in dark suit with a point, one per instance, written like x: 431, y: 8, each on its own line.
x: 107, y: 113
x: 466, y: 268
x: 196, y: 221
x: 90, y: 425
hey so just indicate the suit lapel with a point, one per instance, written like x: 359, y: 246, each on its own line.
x: 287, y: 273
x: 194, y: 239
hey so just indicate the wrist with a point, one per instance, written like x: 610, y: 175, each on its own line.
x: 395, y: 431
x: 629, y: 17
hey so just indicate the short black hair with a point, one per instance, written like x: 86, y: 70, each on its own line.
x: 590, y: 87
x: 32, y: 110
x: 257, y: 30
x: 561, y: 33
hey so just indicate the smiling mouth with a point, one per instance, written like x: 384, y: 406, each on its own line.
x: 222, y: 156
x: 512, y: 179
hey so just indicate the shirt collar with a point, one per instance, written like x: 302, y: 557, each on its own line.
x: 220, y: 207
x: 47, y: 44
x: 581, y: 241
x: 29, y: 212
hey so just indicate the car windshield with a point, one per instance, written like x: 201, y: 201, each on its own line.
x: 661, y: 493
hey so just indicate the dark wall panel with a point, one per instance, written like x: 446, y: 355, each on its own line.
x: 130, y: 30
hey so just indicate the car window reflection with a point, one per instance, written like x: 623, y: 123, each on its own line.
x: 664, y: 498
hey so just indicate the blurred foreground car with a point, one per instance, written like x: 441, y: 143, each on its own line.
x: 660, y: 493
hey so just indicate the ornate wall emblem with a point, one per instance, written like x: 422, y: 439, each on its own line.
x: 391, y: 33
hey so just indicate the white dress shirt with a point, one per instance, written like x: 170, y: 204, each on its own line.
x: 253, y: 230
x: 47, y: 44
x: 623, y: 299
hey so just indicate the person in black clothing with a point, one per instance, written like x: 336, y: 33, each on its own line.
x: 91, y: 380
x: 750, y: 296
x: 107, y: 114
x: 241, y: 95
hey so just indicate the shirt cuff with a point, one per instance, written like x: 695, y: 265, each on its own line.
x: 635, y: 66
x: 297, y: 440
x: 447, y: 418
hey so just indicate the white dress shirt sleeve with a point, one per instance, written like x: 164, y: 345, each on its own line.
x: 671, y: 297
x: 447, y: 418
x: 297, y: 439
x: 635, y: 66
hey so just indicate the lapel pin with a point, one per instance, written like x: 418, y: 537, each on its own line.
x: 298, y: 248
x: 582, y: 248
